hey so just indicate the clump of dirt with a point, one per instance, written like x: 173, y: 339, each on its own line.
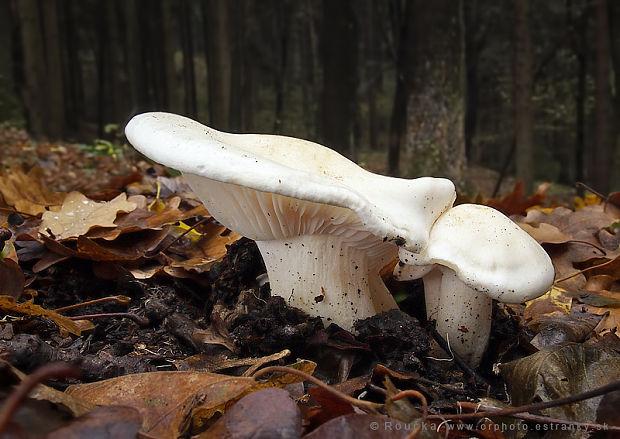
x: 238, y: 271
x: 273, y: 327
x: 396, y: 338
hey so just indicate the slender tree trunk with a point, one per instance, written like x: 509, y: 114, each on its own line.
x: 219, y: 62
x: 35, y: 93
x: 602, y: 157
x: 189, y: 77
x: 55, y: 80
x: 134, y: 56
x: 404, y: 72
x: 371, y: 71
x: 72, y: 66
x: 339, y: 55
x: 523, y: 92
x: 473, y: 47
x: 168, y: 10
x: 6, y: 52
x: 237, y: 45
x: 578, y: 19
x: 309, y: 65
x: 434, y: 133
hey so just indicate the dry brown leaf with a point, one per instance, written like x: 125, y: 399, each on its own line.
x: 79, y: 214
x: 12, y: 278
x: 9, y: 306
x: 515, y: 202
x: 41, y: 392
x: 131, y: 247
x: 167, y: 401
x: 211, y: 248
x: 111, y: 422
x: 545, y: 233
x: 267, y: 413
x: 556, y: 299
x: 26, y: 192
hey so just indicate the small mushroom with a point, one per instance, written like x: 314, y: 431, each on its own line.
x: 324, y: 226
x: 475, y: 255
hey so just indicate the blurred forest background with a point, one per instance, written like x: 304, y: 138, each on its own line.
x: 406, y: 87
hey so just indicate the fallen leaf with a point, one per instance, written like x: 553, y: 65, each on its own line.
x: 111, y: 422
x: 41, y: 392
x: 267, y: 413
x: 8, y: 305
x: 12, y: 278
x: 545, y: 233
x: 79, y: 214
x: 560, y: 371
x: 558, y: 327
x: 167, y: 401
x: 367, y: 427
x: 610, y: 320
x: 26, y: 192
x: 556, y: 299
x: 132, y: 247
x: 515, y: 202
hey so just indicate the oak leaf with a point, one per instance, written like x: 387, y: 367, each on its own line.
x: 79, y: 214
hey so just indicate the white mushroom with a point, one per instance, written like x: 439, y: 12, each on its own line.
x: 475, y: 255
x: 324, y: 226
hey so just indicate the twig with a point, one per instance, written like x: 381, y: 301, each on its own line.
x: 446, y: 387
x: 570, y: 276
x: 142, y: 321
x: 458, y: 360
x: 611, y: 387
x: 353, y: 401
x: 414, y: 393
x: 589, y: 189
x: 542, y: 419
x: 400, y: 395
x: 43, y: 373
x: 123, y: 300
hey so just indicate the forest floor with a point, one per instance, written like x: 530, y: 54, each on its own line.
x: 146, y: 317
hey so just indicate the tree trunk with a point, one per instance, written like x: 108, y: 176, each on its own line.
x: 523, y: 92
x: 602, y: 157
x: 173, y: 86
x: 33, y: 52
x: 434, y: 136
x: 74, y: 90
x: 219, y: 62
x: 189, y: 78
x: 578, y: 19
x: 339, y: 56
x: 134, y: 56
x: 371, y: 71
x: 55, y: 85
x: 404, y: 73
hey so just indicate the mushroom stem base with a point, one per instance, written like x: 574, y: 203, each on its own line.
x: 327, y: 276
x: 463, y: 315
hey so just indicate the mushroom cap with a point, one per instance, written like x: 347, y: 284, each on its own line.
x: 488, y: 252
x: 393, y: 209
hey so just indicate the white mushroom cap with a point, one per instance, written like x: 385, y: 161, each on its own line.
x: 480, y: 255
x: 324, y: 226
x: 488, y: 252
x: 398, y: 209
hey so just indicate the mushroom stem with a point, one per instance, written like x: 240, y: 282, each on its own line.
x: 328, y: 276
x: 463, y: 315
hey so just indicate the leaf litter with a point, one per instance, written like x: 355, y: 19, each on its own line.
x: 203, y: 318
